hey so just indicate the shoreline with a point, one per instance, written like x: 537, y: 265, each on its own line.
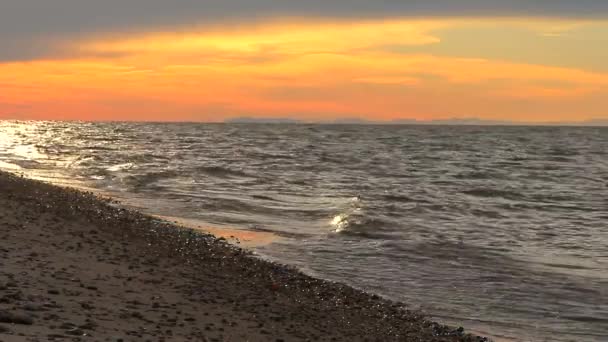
x: 75, y: 267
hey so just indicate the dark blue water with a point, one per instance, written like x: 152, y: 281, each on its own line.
x: 503, y: 229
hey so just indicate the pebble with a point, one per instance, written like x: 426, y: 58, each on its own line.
x: 15, y: 318
x: 264, y: 300
x: 32, y: 307
x: 75, y: 332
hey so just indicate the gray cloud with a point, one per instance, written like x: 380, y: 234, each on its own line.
x: 24, y: 24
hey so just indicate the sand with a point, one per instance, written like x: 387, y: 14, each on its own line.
x: 74, y: 266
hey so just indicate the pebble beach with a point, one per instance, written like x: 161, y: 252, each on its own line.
x: 75, y: 266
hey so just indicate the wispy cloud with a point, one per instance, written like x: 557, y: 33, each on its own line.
x: 347, y: 68
x: 36, y: 22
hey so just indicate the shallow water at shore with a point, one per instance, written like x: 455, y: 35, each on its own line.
x: 497, y: 228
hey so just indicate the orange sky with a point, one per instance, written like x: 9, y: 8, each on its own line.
x: 493, y: 69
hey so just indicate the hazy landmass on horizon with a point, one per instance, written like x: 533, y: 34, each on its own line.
x: 470, y: 121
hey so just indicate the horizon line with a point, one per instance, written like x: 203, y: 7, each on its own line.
x: 349, y: 121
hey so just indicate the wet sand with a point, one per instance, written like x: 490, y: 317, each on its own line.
x: 239, y: 237
x: 74, y: 266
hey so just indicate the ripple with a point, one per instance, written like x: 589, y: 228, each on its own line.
x: 460, y: 220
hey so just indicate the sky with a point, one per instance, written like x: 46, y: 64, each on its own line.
x: 212, y: 60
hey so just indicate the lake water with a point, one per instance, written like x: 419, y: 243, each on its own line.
x: 499, y: 229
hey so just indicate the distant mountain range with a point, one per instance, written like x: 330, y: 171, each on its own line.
x: 454, y: 122
x: 264, y: 120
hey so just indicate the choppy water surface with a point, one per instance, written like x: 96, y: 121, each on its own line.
x: 503, y: 229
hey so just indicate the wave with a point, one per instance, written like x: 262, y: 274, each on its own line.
x: 552, y: 198
x: 222, y: 172
x: 556, y: 151
x: 403, y: 199
x: 9, y: 166
x: 281, y: 233
x: 100, y: 148
x: 355, y: 221
x: 85, y: 161
x: 25, y: 164
x: 479, y: 175
x: 491, y: 193
x: 262, y: 197
x: 269, y: 156
x: 137, y: 182
x: 368, y: 228
x: 121, y: 167
x: 399, y: 198
x: 145, y: 157
x: 513, y: 195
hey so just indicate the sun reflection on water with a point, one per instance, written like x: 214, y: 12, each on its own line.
x: 340, y: 222
x: 17, y: 149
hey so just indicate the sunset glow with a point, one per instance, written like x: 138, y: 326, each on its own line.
x: 494, y: 69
